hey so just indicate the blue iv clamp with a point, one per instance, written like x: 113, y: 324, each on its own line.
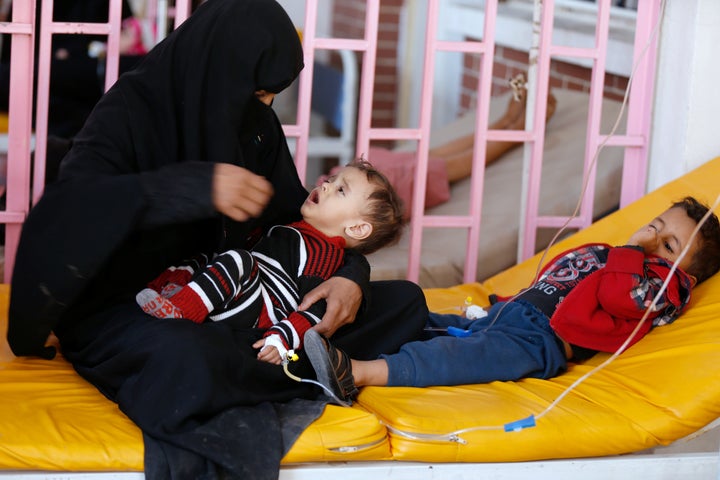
x: 452, y: 331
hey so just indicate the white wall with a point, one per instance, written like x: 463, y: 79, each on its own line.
x: 685, y: 131
x: 296, y: 11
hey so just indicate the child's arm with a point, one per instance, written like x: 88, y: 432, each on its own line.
x: 604, y: 309
x: 305, y: 268
x: 629, y: 284
x: 290, y: 332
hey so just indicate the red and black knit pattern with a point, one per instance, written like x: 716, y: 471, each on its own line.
x: 324, y: 254
x: 230, y: 278
x: 317, y: 258
x: 272, y: 279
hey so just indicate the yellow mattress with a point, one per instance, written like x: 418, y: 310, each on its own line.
x: 664, y: 388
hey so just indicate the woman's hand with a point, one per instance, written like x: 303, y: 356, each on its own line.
x: 343, y: 299
x: 238, y: 193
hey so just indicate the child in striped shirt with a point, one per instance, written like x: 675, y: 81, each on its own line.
x: 356, y: 209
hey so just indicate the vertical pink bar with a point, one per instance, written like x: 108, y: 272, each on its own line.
x: 47, y: 29
x: 640, y: 102
x: 182, y: 12
x: 43, y: 98
x: 305, y: 88
x: 150, y: 12
x: 367, y: 78
x: 426, y: 95
x: 477, y: 177
x: 597, y: 91
x: 19, y: 130
x: 112, y: 61
x: 527, y: 239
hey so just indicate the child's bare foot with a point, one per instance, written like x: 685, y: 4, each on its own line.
x: 519, y: 123
x: 516, y: 104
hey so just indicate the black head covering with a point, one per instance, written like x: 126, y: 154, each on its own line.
x: 178, y: 88
x: 186, y: 100
x: 134, y: 193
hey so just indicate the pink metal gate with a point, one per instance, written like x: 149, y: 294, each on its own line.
x: 635, y: 140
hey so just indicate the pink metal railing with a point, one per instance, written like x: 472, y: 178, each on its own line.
x: 367, y: 45
x: 635, y: 140
x: 48, y: 28
x: 22, y: 29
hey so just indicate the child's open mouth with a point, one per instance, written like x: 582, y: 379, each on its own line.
x: 314, y: 196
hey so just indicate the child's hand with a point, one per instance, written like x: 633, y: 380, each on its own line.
x: 268, y: 353
x: 646, y: 238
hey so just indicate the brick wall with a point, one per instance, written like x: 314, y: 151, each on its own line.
x: 349, y: 22
x: 509, y: 62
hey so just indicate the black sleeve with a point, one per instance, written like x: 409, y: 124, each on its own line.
x: 357, y: 269
x: 172, y: 191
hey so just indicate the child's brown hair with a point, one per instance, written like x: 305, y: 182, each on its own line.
x: 384, y: 210
x: 706, y: 261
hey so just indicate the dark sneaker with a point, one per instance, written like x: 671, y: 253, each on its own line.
x: 332, y: 367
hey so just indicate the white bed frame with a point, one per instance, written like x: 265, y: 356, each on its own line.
x: 695, y: 457
x: 690, y: 466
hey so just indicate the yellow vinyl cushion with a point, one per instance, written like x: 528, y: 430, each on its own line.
x: 663, y: 388
x: 52, y: 419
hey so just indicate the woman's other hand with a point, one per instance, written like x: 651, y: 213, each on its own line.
x: 343, y: 299
x: 238, y: 193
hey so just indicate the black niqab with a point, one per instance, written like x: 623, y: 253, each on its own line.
x: 134, y: 193
x: 133, y: 196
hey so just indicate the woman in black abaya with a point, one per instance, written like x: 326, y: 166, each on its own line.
x: 180, y: 157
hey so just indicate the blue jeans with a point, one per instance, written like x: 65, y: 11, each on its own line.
x: 519, y: 344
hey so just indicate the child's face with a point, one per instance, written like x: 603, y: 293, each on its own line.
x: 338, y: 202
x: 667, y: 235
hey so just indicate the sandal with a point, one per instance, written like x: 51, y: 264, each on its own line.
x: 332, y: 367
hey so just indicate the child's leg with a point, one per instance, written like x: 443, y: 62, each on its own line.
x: 171, y: 280
x: 212, y: 289
x: 515, y: 109
x: 519, y: 344
x: 445, y: 320
x: 458, y: 161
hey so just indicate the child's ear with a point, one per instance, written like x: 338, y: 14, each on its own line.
x: 359, y: 231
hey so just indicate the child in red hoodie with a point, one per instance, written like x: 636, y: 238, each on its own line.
x: 587, y: 299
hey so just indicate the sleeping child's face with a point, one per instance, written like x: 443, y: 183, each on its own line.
x: 667, y: 235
